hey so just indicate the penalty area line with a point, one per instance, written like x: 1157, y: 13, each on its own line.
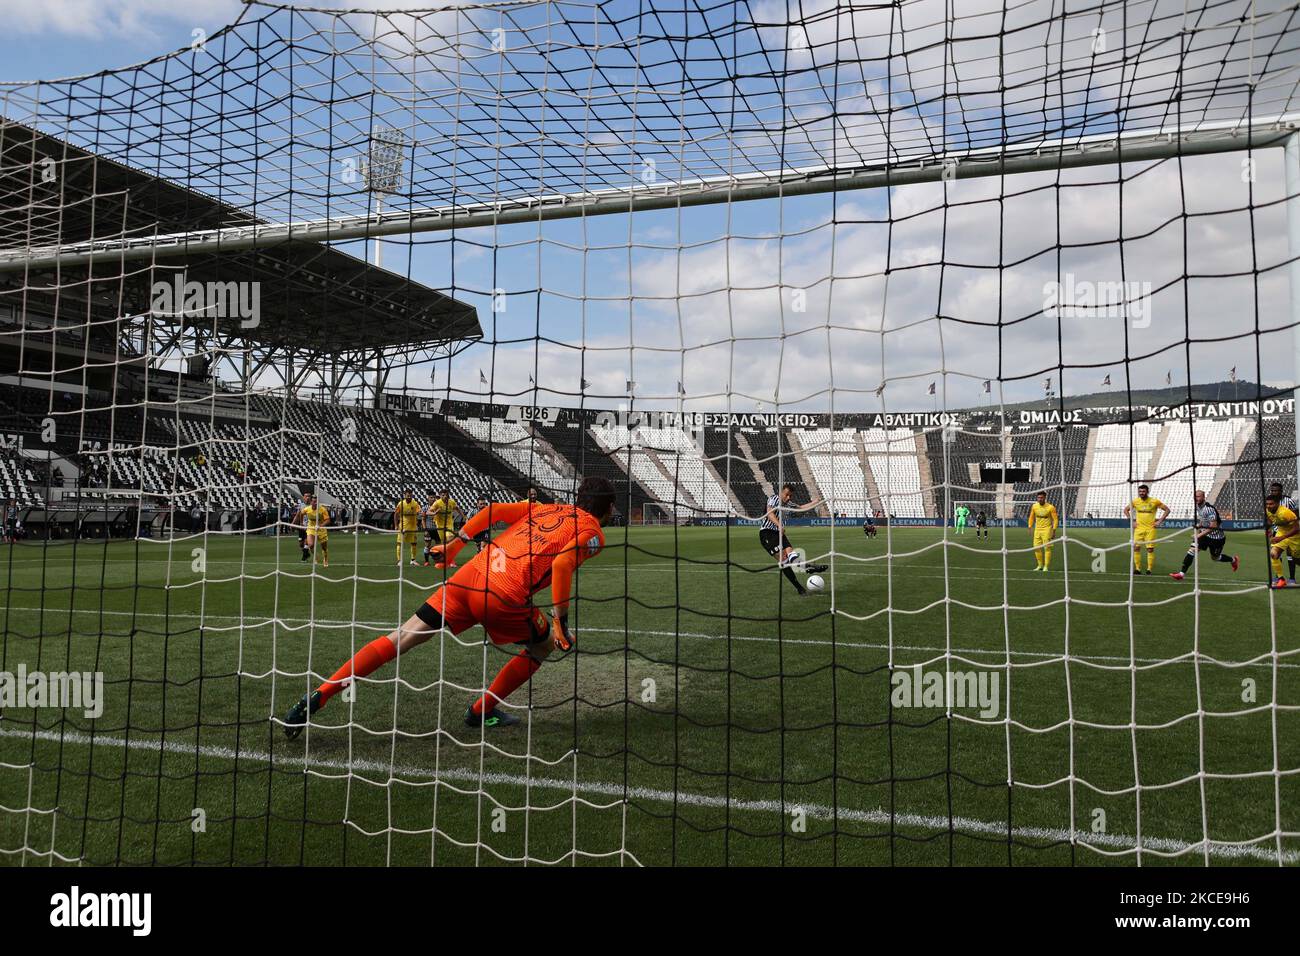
x: 998, y: 653
x: 1108, y: 843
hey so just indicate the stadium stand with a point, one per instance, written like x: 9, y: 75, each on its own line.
x: 1062, y: 454
x: 835, y: 462
x: 891, y: 454
x: 573, y: 439
x: 1268, y: 456
x: 736, y: 467
x: 515, y: 444
x: 776, y: 459
x: 670, y: 465
x: 182, y: 444
x: 954, y: 453
x: 1121, y: 458
x: 1190, y: 455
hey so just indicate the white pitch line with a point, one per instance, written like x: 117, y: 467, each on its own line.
x: 851, y: 566
x: 253, y: 622
x: 1102, y: 842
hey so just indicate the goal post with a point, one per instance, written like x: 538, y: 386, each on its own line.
x: 1080, y: 152
x: 1292, y: 172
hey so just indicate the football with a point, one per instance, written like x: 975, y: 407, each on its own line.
x: 815, y: 582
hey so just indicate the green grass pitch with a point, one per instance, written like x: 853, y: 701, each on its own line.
x: 706, y: 717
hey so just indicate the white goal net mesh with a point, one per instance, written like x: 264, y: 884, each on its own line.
x: 806, y: 276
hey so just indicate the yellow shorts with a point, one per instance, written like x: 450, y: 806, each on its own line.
x: 406, y: 536
x: 1145, y: 534
x: 1291, y: 546
x: 321, y: 534
x: 1042, y: 537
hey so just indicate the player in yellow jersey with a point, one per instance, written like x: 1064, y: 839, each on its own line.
x: 297, y: 522
x: 1147, y: 514
x: 1285, y: 539
x: 1286, y: 501
x: 406, y: 519
x: 440, y: 516
x: 317, y: 518
x: 1043, y: 522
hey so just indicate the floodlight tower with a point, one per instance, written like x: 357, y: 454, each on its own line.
x: 385, y: 172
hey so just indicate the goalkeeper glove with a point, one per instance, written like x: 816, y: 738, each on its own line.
x: 445, y: 554
x: 560, y: 632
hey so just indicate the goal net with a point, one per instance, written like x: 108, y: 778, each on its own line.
x: 284, y: 309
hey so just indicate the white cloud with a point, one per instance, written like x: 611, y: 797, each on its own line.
x: 163, y: 21
x: 779, y: 302
x: 720, y: 315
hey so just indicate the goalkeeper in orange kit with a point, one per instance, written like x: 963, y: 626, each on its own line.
x: 543, y: 546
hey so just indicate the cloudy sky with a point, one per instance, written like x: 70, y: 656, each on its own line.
x: 857, y: 300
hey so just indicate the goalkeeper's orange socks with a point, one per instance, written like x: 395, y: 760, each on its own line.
x: 365, y: 662
x: 510, y: 678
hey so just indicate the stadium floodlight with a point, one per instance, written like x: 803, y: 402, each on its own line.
x: 385, y: 172
x: 815, y: 218
x: 386, y: 167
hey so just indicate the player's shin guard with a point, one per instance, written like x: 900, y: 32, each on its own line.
x: 1137, y: 560
x: 1047, y: 557
x: 366, y: 661
x: 1151, y: 558
x: 510, y: 678
x: 1189, y: 557
x: 1277, y: 566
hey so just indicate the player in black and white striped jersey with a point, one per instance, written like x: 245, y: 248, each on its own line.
x: 1284, y: 501
x: 771, y: 534
x: 1207, y: 535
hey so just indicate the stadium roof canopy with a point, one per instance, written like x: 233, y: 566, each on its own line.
x: 310, y: 295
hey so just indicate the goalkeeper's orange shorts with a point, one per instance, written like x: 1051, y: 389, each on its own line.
x: 466, y: 600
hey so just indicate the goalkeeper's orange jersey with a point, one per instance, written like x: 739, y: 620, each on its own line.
x: 517, y: 564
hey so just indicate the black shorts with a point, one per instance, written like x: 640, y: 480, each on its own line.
x: 773, y: 541
x: 981, y: 523
x: 1212, y: 545
x: 483, y: 537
